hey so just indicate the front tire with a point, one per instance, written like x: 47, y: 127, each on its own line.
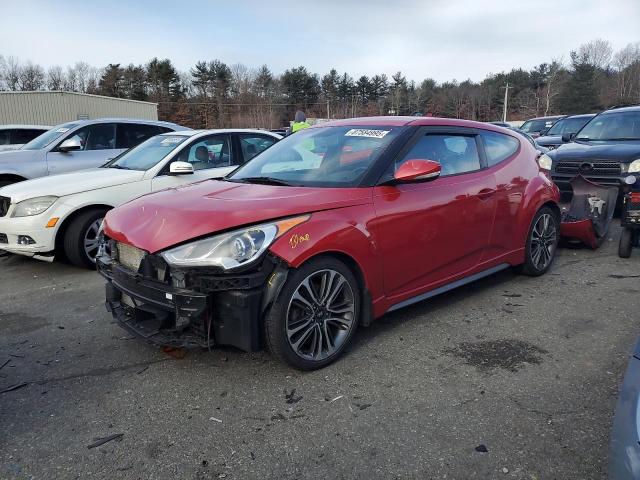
x: 626, y: 243
x: 542, y: 242
x: 81, y: 238
x: 316, y: 314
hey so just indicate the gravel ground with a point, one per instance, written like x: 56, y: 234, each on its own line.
x: 511, y: 377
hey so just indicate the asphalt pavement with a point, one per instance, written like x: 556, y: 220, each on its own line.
x: 511, y: 377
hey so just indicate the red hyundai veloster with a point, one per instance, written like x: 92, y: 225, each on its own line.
x: 327, y: 229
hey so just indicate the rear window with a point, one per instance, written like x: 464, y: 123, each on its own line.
x: 498, y: 147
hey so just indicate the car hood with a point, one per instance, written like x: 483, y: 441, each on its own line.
x: 160, y: 220
x: 70, y: 183
x: 622, y: 151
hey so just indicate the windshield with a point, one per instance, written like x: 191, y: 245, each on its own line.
x: 612, y: 126
x: 568, y: 125
x: 319, y: 157
x: 147, y: 154
x: 537, y: 125
x: 49, y: 136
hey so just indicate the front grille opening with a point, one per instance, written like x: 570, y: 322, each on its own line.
x: 3, y: 238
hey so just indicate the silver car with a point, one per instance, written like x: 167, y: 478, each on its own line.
x: 76, y: 146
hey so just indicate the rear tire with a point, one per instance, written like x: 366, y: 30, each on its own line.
x: 626, y: 243
x: 309, y: 334
x: 81, y: 238
x: 542, y: 243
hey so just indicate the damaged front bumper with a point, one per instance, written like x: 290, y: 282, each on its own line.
x: 189, y: 308
x: 587, y: 218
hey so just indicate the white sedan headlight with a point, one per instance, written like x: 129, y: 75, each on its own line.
x: 634, y: 167
x: 545, y: 162
x: 33, y: 206
x: 233, y: 249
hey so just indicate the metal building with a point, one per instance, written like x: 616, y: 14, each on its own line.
x: 52, y: 108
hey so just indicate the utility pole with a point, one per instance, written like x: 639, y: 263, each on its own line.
x: 506, y: 100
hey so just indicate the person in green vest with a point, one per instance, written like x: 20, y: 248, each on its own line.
x: 299, y: 122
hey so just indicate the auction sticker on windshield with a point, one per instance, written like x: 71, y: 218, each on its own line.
x: 359, y: 132
x: 171, y: 140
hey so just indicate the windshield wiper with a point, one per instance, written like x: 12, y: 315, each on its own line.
x: 618, y: 138
x: 119, y: 167
x: 262, y: 180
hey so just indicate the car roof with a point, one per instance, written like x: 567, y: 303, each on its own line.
x: 410, y: 121
x: 128, y: 120
x: 631, y: 108
x: 582, y: 115
x: 25, y: 127
x: 193, y: 133
x: 551, y: 117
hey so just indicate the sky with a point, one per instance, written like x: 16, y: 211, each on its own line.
x: 440, y: 39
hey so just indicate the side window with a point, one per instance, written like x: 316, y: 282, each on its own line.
x: 455, y: 153
x: 252, y: 145
x: 208, y: 152
x: 498, y: 147
x: 101, y: 136
x: 132, y: 134
x: 24, y: 135
x: 4, y: 137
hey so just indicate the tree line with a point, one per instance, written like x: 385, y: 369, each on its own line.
x: 213, y: 94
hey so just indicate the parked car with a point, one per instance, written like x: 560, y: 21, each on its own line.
x: 605, y: 151
x: 295, y: 253
x: 624, y: 452
x: 534, y: 126
x: 76, y: 146
x: 12, y: 137
x: 62, y: 213
x: 501, y: 124
x: 565, y: 127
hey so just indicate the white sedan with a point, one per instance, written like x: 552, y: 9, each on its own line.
x: 62, y: 213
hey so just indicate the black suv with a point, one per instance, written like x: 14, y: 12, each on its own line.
x: 605, y: 150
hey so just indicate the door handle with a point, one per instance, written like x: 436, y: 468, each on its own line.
x: 486, y: 193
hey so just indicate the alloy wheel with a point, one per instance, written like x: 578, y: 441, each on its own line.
x: 91, y: 240
x: 320, y: 315
x: 544, y: 239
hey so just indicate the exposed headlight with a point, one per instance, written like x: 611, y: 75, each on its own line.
x: 233, y: 249
x: 33, y: 206
x: 634, y: 167
x: 545, y: 162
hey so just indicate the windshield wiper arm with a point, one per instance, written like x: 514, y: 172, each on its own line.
x: 263, y: 180
x: 119, y: 167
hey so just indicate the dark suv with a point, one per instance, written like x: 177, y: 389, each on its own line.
x: 534, y: 126
x: 605, y: 150
x: 562, y: 130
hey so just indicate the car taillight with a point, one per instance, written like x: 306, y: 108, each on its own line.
x: 634, y: 197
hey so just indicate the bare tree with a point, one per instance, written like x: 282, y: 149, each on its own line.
x: 31, y: 77
x: 55, y: 78
x: 627, y: 64
x: 3, y: 69
x: 71, y: 80
x: 597, y: 53
x: 12, y: 74
x: 82, y: 75
x: 553, y: 83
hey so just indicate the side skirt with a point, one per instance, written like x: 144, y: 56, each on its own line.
x: 449, y: 286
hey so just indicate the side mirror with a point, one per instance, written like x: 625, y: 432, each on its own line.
x: 417, y: 170
x: 567, y: 137
x: 180, y: 168
x: 71, y: 144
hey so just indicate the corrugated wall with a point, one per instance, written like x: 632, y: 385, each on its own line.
x: 52, y: 108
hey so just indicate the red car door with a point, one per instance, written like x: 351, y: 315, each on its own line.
x: 432, y: 232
